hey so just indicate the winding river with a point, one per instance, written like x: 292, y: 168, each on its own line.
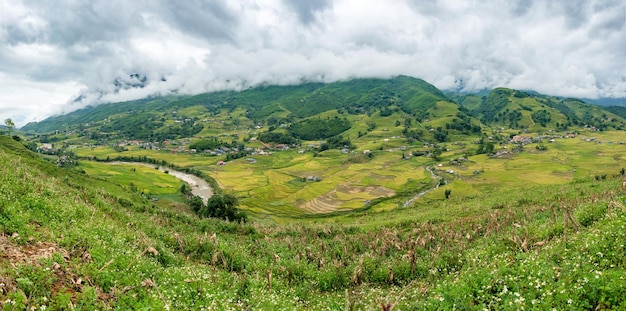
x: 199, y: 186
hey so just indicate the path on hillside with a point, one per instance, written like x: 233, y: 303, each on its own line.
x: 199, y: 186
x: 420, y: 194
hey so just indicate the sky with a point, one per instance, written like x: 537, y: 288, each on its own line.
x: 59, y: 56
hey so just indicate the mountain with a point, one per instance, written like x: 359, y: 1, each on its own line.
x: 415, y: 98
x: 516, y: 109
x: 299, y: 101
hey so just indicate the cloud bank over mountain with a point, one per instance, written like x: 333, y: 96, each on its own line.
x: 58, y: 56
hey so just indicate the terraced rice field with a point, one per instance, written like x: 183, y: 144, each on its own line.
x: 280, y: 185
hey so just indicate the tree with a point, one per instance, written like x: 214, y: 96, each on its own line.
x: 223, y: 206
x: 196, y: 203
x: 436, y: 153
x: 440, y: 135
x: 487, y: 148
x: 10, y: 125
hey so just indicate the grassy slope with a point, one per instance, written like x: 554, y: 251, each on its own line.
x: 561, y: 111
x: 72, y: 242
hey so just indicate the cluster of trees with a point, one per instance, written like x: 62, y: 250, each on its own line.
x: 147, y: 126
x: 135, y: 126
x: 485, y: 147
x: 222, y: 206
x: 337, y: 142
x: 319, y: 128
x: 213, y: 143
x: 278, y: 137
x: 463, y: 124
x: 542, y: 117
x: 440, y: 135
x: 412, y: 135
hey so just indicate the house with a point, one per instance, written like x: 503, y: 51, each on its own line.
x: 313, y: 178
x: 367, y: 151
x: 250, y: 160
x: 518, y: 139
x: 221, y: 163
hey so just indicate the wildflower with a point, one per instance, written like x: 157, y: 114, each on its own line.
x: 569, y: 301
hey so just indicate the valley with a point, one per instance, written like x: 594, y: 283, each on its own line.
x: 381, y: 194
x: 298, y: 151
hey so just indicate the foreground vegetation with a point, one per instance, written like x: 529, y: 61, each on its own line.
x: 70, y: 241
x: 360, y: 195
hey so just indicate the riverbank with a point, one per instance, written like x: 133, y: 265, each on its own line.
x: 199, y: 186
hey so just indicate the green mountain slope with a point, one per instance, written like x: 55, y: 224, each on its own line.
x: 298, y: 101
x: 524, y: 110
x: 177, y: 116
x: 72, y: 242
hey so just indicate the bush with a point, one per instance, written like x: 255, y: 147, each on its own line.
x: 222, y: 206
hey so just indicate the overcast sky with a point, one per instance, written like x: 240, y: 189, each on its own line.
x: 53, y: 52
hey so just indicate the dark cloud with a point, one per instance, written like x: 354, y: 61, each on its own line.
x: 521, y: 7
x: 205, y: 19
x: 575, y: 12
x: 70, y: 22
x: 53, y: 52
x: 306, y: 10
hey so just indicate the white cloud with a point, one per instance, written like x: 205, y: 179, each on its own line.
x: 50, y: 52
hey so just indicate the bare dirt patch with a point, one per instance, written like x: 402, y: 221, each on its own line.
x: 28, y: 253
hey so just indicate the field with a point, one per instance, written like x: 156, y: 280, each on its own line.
x: 278, y: 186
x: 144, y: 179
x: 75, y: 242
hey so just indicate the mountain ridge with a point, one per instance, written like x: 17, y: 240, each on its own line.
x: 411, y: 95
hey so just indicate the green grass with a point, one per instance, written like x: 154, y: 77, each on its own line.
x: 145, y: 179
